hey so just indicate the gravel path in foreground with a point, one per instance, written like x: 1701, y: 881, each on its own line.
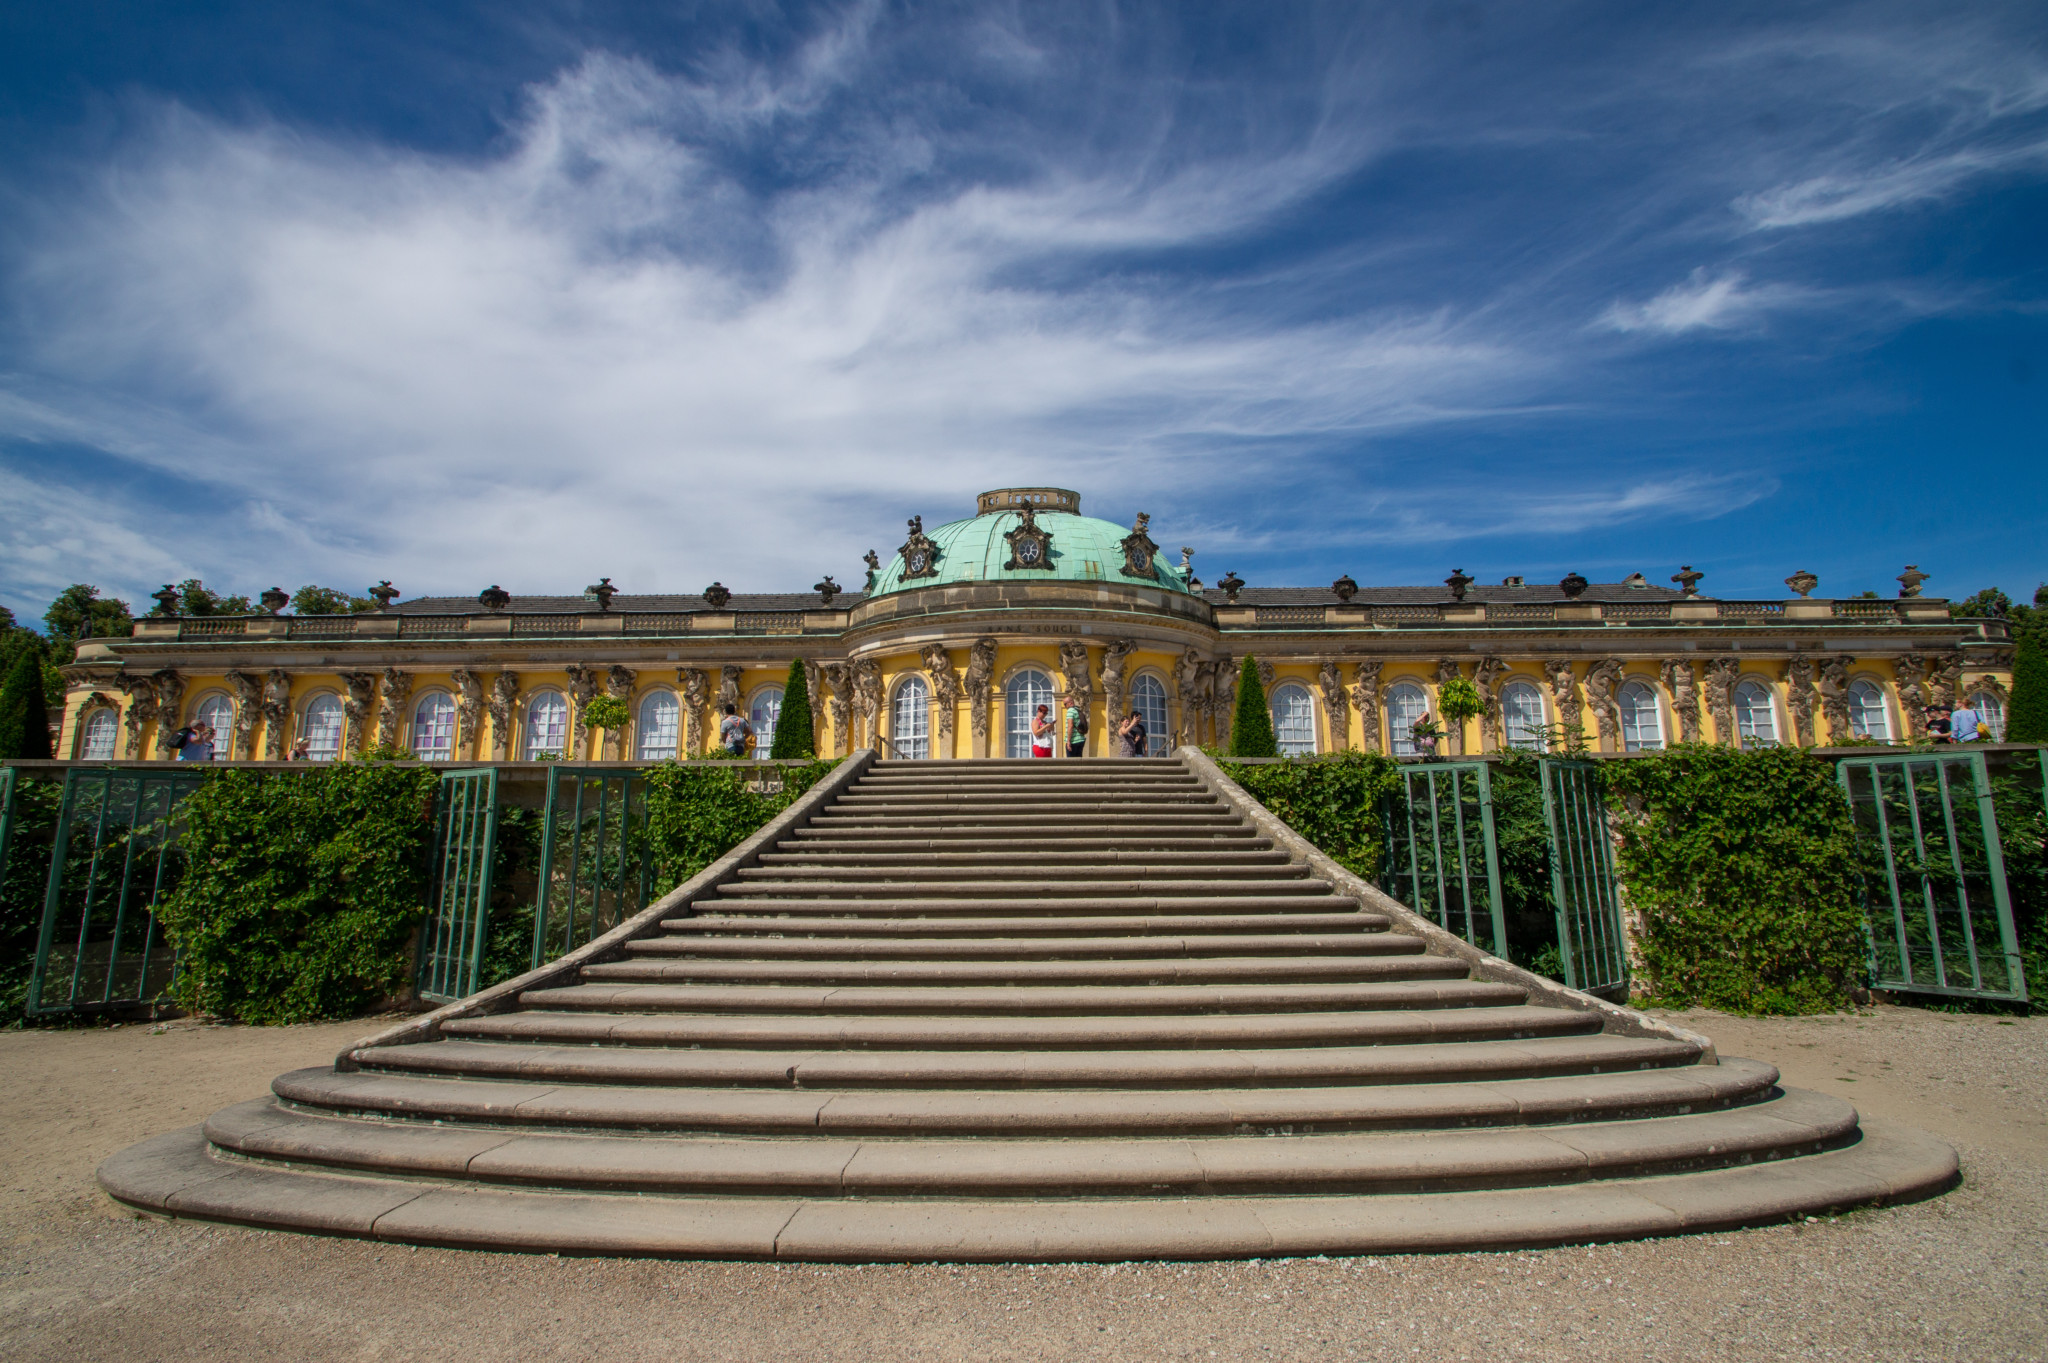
x: 1962, y: 1277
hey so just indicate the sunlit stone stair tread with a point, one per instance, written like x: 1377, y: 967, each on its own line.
x: 1158, y: 970
x: 1019, y: 949
x: 1142, y: 928
x: 1009, y: 905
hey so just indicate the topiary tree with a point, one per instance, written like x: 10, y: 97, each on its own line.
x: 1251, y: 728
x: 794, y: 737
x: 1457, y: 700
x: 24, y: 722
x: 2026, y: 718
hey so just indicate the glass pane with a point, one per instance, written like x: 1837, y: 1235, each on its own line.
x: 1026, y: 691
x: 1148, y: 697
x: 218, y: 713
x: 1406, y: 703
x: 433, y: 727
x: 1867, y: 717
x: 658, y: 715
x: 1756, y: 718
x: 547, y: 726
x: 1988, y: 706
x: 1522, y: 708
x: 323, y: 728
x: 1642, y: 727
x: 99, y: 736
x: 1294, y: 721
x: 767, y: 709
x: 910, y: 721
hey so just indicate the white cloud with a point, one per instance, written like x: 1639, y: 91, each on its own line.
x: 1835, y: 196
x: 1716, y: 302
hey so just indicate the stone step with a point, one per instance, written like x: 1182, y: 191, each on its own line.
x: 794, y: 926
x: 1071, y: 871
x: 1128, y: 1071
x: 1408, y: 982
x: 176, y: 1175
x: 1021, y: 949
x: 1148, y: 971
x: 1785, y: 1127
x: 1223, y: 1034
x: 1022, y: 906
x: 855, y: 842
x: 1633, y: 1092
x: 1109, y: 887
x: 1148, y: 858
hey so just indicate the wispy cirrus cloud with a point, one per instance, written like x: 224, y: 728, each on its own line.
x: 1704, y: 302
x: 1837, y: 195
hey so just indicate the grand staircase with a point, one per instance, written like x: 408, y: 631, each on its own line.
x: 1025, y: 1010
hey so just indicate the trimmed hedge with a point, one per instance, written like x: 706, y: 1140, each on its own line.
x: 1334, y: 802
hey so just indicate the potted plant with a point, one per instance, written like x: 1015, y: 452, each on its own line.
x: 1457, y: 701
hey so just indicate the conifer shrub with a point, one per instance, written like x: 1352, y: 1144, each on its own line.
x: 1742, y: 866
x: 1251, y: 727
x: 24, y: 722
x: 795, y: 733
x: 302, y: 891
x: 2026, y: 716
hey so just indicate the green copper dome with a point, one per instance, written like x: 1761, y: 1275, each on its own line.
x: 1078, y: 548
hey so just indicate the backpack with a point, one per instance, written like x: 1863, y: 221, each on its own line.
x: 181, y: 738
x: 1080, y: 724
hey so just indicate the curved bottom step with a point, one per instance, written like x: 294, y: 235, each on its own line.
x: 176, y: 1175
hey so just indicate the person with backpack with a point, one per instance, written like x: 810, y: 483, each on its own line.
x: 194, y: 743
x: 1077, y: 728
x: 735, y: 735
x: 1965, y: 725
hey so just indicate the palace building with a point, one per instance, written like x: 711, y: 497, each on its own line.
x: 968, y: 627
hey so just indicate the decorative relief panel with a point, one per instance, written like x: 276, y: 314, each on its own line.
x: 1833, y: 685
x: 867, y: 700
x: 584, y: 682
x: 1486, y: 681
x: 838, y: 677
x: 1365, y: 694
x: 981, y: 670
x: 945, y: 684
x: 142, y: 708
x: 1601, y: 680
x: 248, y: 713
x: 1799, y: 699
x: 469, y: 711
x: 277, y: 713
x: 1331, y: 683
x: 1685, y: 697
x: 355, y: 707
x: 392, y: 692
x: 696, y: 690
x: 1722, y: 674
x: 1116, y: 661
x: 170, y: 698
x: 1077, y: 683
x: 503, y: 705
x: 1564, y: 695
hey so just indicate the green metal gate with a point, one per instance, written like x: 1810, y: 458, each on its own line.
x: 1582, y: 884
x: 1441, y: 857
x: 114, y: 857
x: 1935, y: 896
x: 6, y: 817
x: 452, y: 940
x: 594, y: 858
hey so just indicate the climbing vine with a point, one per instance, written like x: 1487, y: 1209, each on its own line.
x: 698, y: 811
x: 1742, y: 869
x: 1334, y: 802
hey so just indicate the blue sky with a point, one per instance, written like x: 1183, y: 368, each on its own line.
x: 531, y: 293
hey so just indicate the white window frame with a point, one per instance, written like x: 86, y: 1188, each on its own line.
x: 99, y: 719
x: 765, y: 716
x: 1858, y: 707
x: 534, y: 745
x: 1516, y: 730
x: 910, y: 719
x: 1148, y: 698
x: 1747, y: 729
x: 1990, y: 708
x: 1642, y: 726
x: 322, y: 700
x: 1294, y: 725
x: 649, y: 730
x: 1017, y: 717
x: 223, y: 734
x: 1400, y: 723
x: 444, y: 710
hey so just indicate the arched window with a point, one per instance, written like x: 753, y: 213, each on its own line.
x: 433, y: 727
x: 1990, y: 709
x: 658, y: 715
x: 1022, y: 695
x: 217, y: 712
x: 910, y: 719
x: 1642, y: 725
x: 1294, y: 721
x: 1756, y: 718
x: 322, y: 730
x: 547, y: 726
x: 1148, y: 698
x: 1521, y: 710
x: 1406, y: 703
x: 1867, y: 716
x: 764, y: 714
x: 97, y: 744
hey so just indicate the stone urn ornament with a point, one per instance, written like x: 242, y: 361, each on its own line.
x: 274, y: 599
x: 1345, y: 588
x: 717, y: 594
x: 166, y: 600
x: 1231, y: 584
x: 494, y: 598
x: 1688, y: 580
x: 1802, y: 582
x: 1573, y: 585
x: 384, y: 594
x: 1458, y: 581
x: 603, y: 591
x: 1910, y: 580
x: 827, y: 589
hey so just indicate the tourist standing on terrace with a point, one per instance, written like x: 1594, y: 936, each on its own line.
x: 1041, y: 732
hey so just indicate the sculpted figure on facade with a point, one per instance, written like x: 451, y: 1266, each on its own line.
x: 277, y: 713
x: 1187, y: 692
x: 1833, y: 685
x: 867, y: 700
x: 1564, y: 695
x: 142, y: 708
x: 696, y: 689
x: 1685, y: 697
x: 1911, y: 676
x: 945, y: 684
x: 1601, y: 679
x: 1335, y: 705
x: 618, y: 684
x: 361, y: 698
x: 1722, y: 674
x: 504, y: 699
x: 1221, y: 696
x: 469, y: 711
x: 248, y: 711
x: 1942, y: 678
x: 392, y: 692
x: 1078, y: 684
x: 981, y: 671
x: 1365, y: 694
x: 1116, y: 662
x: 729, y: 687
x: 839, y: 703
x: 583, y: 686
x: 1486, y: 681
x: 1799, y: 699
x: 814, y: 687
x: 170, y: 698
x: 1268, y: 674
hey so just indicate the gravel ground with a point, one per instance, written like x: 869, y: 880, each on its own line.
x: 1962, y: 1277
